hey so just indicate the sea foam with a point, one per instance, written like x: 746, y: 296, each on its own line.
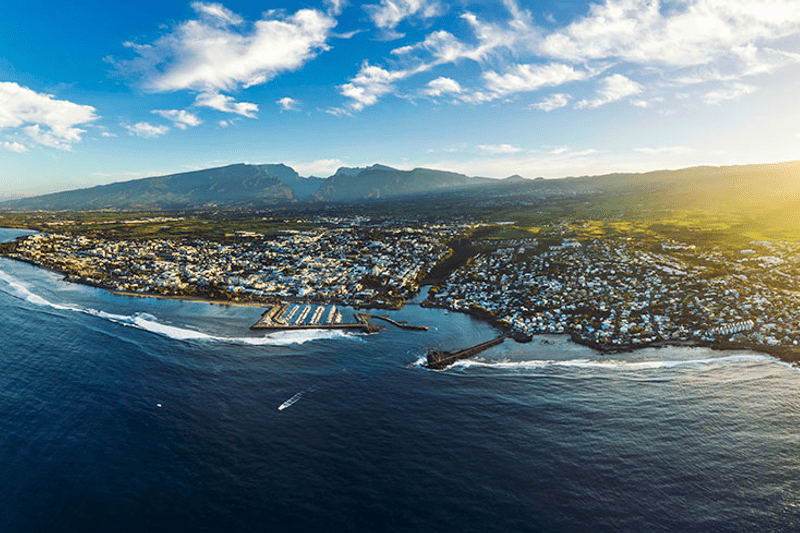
x: 612, y: 364
x: 148, y: 322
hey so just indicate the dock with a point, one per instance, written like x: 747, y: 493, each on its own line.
x: 280, y: 317
x: 440, y: 359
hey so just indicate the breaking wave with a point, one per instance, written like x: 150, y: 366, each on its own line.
x: 602, y: 364
x: 612, y: 364
x: 150, y: 323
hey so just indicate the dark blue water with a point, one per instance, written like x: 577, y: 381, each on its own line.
x: 134, y: 414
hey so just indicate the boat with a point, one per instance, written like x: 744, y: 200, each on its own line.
x: 291, y: 401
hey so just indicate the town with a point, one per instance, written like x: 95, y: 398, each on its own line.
x: 347, y: 262
x: 613, y: 292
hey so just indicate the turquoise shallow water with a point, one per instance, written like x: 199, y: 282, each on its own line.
x: 135, y: 414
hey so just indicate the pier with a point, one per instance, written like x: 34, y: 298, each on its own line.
x: 279, y: 317
x: 440, y: 359
x: 401, y: 325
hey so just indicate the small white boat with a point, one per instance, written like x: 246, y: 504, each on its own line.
x: 290, y: 401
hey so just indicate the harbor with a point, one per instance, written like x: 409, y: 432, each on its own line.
x: 285, y: 316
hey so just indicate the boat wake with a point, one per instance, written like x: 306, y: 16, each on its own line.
x: 150, y: 323
x: 294, y: 399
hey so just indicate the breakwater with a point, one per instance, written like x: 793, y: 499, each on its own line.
x: 439, y: 359
x: 402, y: 324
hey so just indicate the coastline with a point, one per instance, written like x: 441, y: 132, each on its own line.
x: 197, y: 299
x: 787, y: 354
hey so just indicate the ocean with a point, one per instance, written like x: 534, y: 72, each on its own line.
x: 135, y: 414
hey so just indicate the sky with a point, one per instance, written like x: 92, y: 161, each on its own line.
x: 93, y: 92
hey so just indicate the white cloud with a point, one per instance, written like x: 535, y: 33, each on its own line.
x: 338, y: 112
x: 441, y: 86
x: 389, y: 13
x: 225, y: 103
x: 691, y: 33
x: 217, y: 11
x: 181, y: 118
x: 650, y: 44
x: 335, y: 7
x: 319, y: 168
x: 44, y: 119
x: 61, y: 141
x: 145, y: 129
x: 552, y: 102
x: 14, y: 146
x: 524, y: 78
x: 370, y: 84
x: 219, y: 51
x: 205, y: 56
x: 498, y: 149
x: 440, y: 48
x: 288, y: 104
x: 615, y: 87
x: 676, y: 150
x: 733, y: 92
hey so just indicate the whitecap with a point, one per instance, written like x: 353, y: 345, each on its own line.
x: 150, y: 323
x: 22, y: 292
x: 612, y: 364
x: 285, y: 338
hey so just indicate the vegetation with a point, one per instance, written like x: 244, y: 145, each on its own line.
x: 706, y: 206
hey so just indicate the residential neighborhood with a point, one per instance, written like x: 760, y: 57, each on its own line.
x: 345, y: 261
x: 611, y: 292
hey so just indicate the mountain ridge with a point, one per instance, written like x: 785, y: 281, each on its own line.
x: 241, y: 185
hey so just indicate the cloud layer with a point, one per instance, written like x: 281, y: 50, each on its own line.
x: 650, y: 54
x: 644, y: 47
x: 638, y: 52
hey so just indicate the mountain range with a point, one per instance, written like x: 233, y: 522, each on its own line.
x: 244, y: 185
x: 759, y: 189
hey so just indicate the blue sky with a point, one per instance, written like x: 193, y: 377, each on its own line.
x: 96, y: 92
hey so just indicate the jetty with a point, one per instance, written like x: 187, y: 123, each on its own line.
x: 280, y: 317
x: 440, y: 359
x: 401, y: 325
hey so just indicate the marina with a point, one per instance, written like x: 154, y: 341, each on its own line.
x: 280, y: 316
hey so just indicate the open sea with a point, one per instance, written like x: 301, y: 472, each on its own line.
x: 143, y: 415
